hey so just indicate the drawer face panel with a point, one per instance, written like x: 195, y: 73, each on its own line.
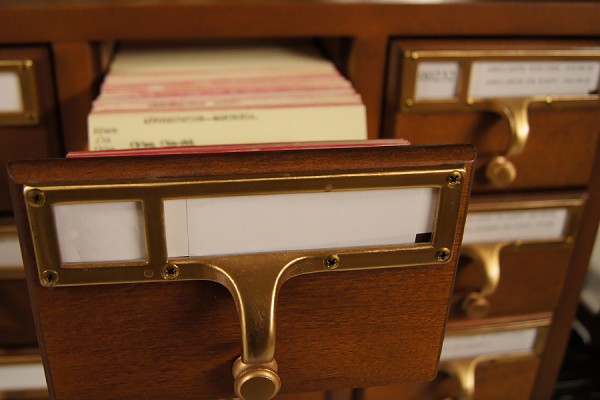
x: 515, y: 255
x: 562, y: 136
x: 37, y: 138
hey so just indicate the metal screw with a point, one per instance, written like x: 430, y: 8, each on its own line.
x: 454, y: 179
x: 332, y: 262
x: 50, y: 277
x: 414, y: 55
x: 549, y: 100
x: 36, y: 198
x: 409, y: 103
x: 170, y: 271
x: 443, y: 255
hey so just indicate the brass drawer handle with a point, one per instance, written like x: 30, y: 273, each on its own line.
x: 463, y: 371
x: 500, y: 171
x: 487, y: 256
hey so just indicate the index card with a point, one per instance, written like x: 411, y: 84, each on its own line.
x: 10, y: 92
x: 103, y: 231
x: 468, y: 346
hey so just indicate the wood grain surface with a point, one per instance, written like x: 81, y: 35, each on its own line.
x: 179, y: 339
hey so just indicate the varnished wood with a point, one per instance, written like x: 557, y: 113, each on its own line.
x: 33, y: 141
x: 561, y: 147
x: 179, y: 340
x: 496, y: 380
x: 77, y: 72
x: 16, y: 320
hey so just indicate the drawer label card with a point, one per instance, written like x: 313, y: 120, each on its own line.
x: 495, y: 226
x: 10, y: 251
x: 437, y: 80
x: 497, y: 79
x: 10, y: 92
x: 469, y: 346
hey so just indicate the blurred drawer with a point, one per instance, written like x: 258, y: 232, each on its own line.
x: 486, y: 362
x: 563, y: 134
x: 16, y: 320
x: 22, y: 377
x: 515, y: 254
x: 28, y: 124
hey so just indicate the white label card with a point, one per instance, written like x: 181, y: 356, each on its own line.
x: 10, y: 251
x: 540, y: 224
x: 97, y: 232
x: 297, y: 221
x: 16, y: 377
x: 10, y: 92
x: 436, y: 80
x: 496, y: 79
x: 469, y: 346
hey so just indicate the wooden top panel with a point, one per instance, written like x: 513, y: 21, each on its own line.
x: 104, y: 20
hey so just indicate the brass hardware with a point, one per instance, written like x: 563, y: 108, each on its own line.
x: 29, y: 113
x: 256, y: 382
x: 454, y: 179
x: 50, y: 278
x: 332, y: 262
x: 36, y: 198
x: 254, y: 280
x: 486, y: 255
x: 169, y: 271
x: 443, y: 255
x: 463, y: 370
x: 500, y: 171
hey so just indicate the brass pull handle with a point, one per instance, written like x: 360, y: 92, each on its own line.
x: 256, y: 381
x: 500, y: 171
x: 464, y: 372
x: 486, y: 255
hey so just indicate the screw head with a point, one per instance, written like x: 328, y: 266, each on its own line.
x: 50, y: 277
x: 170, y: 271
x: 409, y: 102
x: 331, y: 262
x: 443, y: 255
x: 454, y: 179
x: 36, y: 198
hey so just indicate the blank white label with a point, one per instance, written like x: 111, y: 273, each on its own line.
x: 436, y: 80
x: 10, y: 251
x: 468, y: 346
x: 541, y: 224
x: 97, y: 232
x: 297, y: 221
x: 15, y: 377
x: 10, y: 92
x: 493, y: 79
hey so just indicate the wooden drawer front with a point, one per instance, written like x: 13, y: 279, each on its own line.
x: 562, y: 138
x: 501, y: 380
x: 16, y: 319
x: 496, y: 361
x: 37, y: 138
x: 515, y: 255
x: 531, y: 279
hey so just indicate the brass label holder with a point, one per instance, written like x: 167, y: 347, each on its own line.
x: 487, y: 254
x: 254, y: 280
x: 29, y: 113
x: 463, y: 369
x: 500, y: 170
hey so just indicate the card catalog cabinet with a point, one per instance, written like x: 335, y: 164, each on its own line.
x: 536, y: 154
